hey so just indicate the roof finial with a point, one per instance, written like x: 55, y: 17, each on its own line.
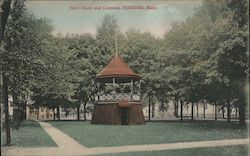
x: 116, y: 40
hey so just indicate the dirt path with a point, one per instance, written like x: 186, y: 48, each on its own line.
x: 62, y: 140
x: 69, y: 147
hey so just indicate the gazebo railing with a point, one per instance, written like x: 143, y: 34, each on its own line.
x: 117, y: 96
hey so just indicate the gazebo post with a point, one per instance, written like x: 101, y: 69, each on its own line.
x: 139, y: 91
x: 131, y: 88
x: 98, y: 91
x: 114, y: 91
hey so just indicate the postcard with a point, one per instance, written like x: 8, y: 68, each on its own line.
x: 125, y: 77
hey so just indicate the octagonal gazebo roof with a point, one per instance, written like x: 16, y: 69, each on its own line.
x: 117, y: 68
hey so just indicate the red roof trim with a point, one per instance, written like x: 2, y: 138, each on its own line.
x: 117, y: 68
x: 117, y: 75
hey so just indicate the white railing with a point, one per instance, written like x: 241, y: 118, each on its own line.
x: 117, y: 96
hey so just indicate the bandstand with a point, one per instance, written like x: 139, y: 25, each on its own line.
x: 117, y: 100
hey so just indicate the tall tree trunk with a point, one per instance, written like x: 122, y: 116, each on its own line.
x: 236, y: 112
x: 223, y: 112
x: 242, y: 102
x: 228, y: 111
x: 192, y: 110
x: 54, y: 114
x: 78, y: 112
x: 79, y: 103
x: 181, y: 110
x: 66, y: 112
x: 204, y: 110
x: 5, y: 8
x: 215, y: 110
x: 22, y: 112
x: 149, y: 107
x: 153, y: 110
x: 6, y: 109
x: 25, y: 109
x: 162, y: 105
x: 176, y: 108
x: 197, y: 110
x: 16, y: 111
x: 18, y: 114
x: 16, y: 105
x: 242, y: 118
x: 37, y: 113
x: 58, y: 113
x: 84, y: 111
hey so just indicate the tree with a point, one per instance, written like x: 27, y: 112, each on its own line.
x: 83, y: 71
x: 25, y: 38
x: 215, y: 38
x: 6, y: 6
x: 105, y: 42
x: 231, y: 52
x: 53, y: 87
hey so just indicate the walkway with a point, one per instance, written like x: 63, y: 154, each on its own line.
x: 69, y: 147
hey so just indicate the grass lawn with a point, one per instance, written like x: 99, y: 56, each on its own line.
x: 29, y: 134
x: 215, y: 151
x: 91, y: 135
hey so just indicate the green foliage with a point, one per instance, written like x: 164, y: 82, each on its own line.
x: 203, y: 58
x: 214, y: 60
x: 105, y: 41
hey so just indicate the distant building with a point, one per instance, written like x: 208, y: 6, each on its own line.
x: 40, y: 113
x: 208, y: 109
x: 31, y: 112
x: 11, y: 106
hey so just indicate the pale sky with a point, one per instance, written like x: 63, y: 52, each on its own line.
x: 81, y: 17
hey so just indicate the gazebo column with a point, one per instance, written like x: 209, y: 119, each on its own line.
x: 98, y: 91
x: 139, y: 91
x: 131, y: 88
x: 114, y: 91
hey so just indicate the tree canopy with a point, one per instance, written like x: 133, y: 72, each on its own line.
x: 203, y: 58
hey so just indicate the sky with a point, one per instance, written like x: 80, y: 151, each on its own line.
x: 81, y: 17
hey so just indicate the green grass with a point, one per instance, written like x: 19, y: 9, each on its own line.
x: 91, y: 135
x: 29, y: 134
x: 210, y: 151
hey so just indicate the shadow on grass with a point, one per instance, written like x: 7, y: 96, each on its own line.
x: 66, y: 120
x: 29, y: 123
x: 29, y: 134
x: 197, y: 124
x: 25, y: 123
x: 206, y: 124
